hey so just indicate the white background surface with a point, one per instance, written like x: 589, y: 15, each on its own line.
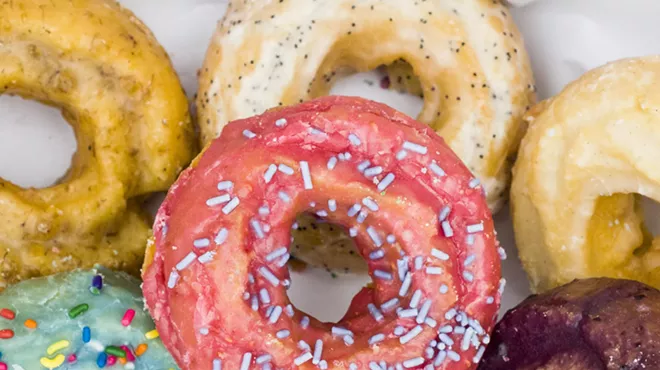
x: 565, y: 38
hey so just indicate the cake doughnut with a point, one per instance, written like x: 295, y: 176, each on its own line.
x: 468, y: 55
x: 115, y: 85
x: 588, y: 155
x: 591, y: 324
x: 83, y: 319
x: 418, y: 216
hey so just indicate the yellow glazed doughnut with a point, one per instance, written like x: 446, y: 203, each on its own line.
x: 115, y: 84
x: 588, y: 155
x: 468, y: 55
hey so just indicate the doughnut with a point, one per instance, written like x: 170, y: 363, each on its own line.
x: 418, y: 215
x: 115, y: 85
x: 83, y: 319
x: 469, y: 58
x: 589, y: 154
x: 591, y: 324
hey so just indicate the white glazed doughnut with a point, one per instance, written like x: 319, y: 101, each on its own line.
x: 468, y: 55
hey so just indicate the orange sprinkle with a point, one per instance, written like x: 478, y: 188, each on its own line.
x: 141, y: 349
x: 122, y: 361
x: 30, y: 324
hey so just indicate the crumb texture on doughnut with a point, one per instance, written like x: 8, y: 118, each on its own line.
x: 468, y: 56
x: 592, y: 324
x: 69, y: 320
x: 115, y: 85
x: 589, y: 154
x: 216, y: 284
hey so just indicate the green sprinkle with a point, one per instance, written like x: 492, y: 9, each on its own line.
x: 94, y: 290
x: 334, y: 276
x: 115, y: 351
x: 79, y: 309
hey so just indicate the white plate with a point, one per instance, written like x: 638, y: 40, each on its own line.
x: 564, y: 37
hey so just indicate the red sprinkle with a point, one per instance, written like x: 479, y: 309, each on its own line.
x: 128, y: 317
x: 6, y: 333
x: 72, y: 358
x: 3, y: 366
x: 7, y: 314
x: 111, y: 360
x: 129, y: 353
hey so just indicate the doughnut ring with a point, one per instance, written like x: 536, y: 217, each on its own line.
x: 420, y: 220
x: 589, y: 154
x: 473, y: 70
x: 114, y: 83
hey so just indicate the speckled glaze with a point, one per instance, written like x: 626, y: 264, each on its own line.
x: 47, y: 301
x: 213, y: 267
x: 468, y: 55
x: 592, y: 324
x: 116, y: 86
x: 589, y: 154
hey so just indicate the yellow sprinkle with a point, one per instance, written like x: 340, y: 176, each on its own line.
x: 152, y: 334
x: 53, y: 363
x: 57, y: 346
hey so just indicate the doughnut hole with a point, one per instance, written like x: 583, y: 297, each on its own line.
x: 623, y: 232
x: 37, y: 143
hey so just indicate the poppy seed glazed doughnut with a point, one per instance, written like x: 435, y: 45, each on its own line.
x: 468, y: 55
x: 116, y: 86
x: 215, y: 280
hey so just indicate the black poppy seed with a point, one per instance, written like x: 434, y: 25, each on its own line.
x: 446, y: 96
x: 428, y: 57
x: 280, y: 103
x: 352, y: 24
x: 474, y: 74
x: 391, y: 20
x: 353, y: 7
x: 481, y: 156
x: 458, y: 98
x: 348, y: 33
x: 432, y: 88
x: 472, y: 86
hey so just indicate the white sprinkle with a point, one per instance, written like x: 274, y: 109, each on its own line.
x: 474, y: 183
x: 475, y: 228
x: 250, y: 278
x: 201, y: 243
x: 437, y: 170
x: 230, y: 206
x: 332, y: 162
x: 453, y: 356
x: 445, y: 329
x: 410, y: 335
x: 380, y: 274
x: 375, y: 313
x: 423, y: 312
x: 409, y: 312
x: 413, y: 362
x: 206, y: 257
x: 286, y: 283
x: 401, y: 154
x: 479, y: 354
x: 386, y: 181
x: 339, y: 331
x: 502, y: 253
x: 430, y: 322
x: 285, y: 169
x: 221, y: 236
x: 354, y: 210
x: 398, y: 366
x: 450, y: 314
x: 224, y: 198
x: 459, y: 330
x: 440, y: 358
x: 375, y: 366
x: 204, y: 331
x: 323, y: 365
x: 256, y: 227
x: 352, y: 366
x: 490, y: 300
x: 225, y: 185
x: 469, y: 239
x: 407, y: 280
x: 439, y: 254
x: 280, y: 122
x: 370, y: 203
x: 363, y: 166
x: 391, y: 239
x: 444, y: 212
x: 268, y: 275
x: 275, y: 315
x: 288, y: 310
x: 373, y: 171
x: 446, y: 228
x: 443, y: 289
x: 467, y: 337
x: 303, y: 346
x: 279, y: 252
x: 348, y: 340
x: 376, y: 339
x: 416, y: 297
x: 263, y: 359
x: 354, y: 139
x: 468, y: 276
x: 444, y: 338
x: 302, y: 358
x: 307, y: 176
x: 217, y: 364
x: 419, y: 261
x: 322, y: 213
x: 245, y: 363
x: 399, y: 330
x: 186, y: 261
x: 486, y: 339
x: 318, y: 351
x: 429, y: 353
x: 264, y: 296
x: 270, y: 172
x: 352, y: 232
x: 373, y: 234
x: 246, y: 296
x: 502, y: 285
x: 315, y: 131
x: 434, y: 270
x: 362, y: 216
x: 304, y: 322
x: 413, y: 147
x: 474, y: 324
x: 377, y: 254
x: 468, y: 261
x: 249, y: 134
x: 389, y: 304
x: 174, y: 277
x: 402, y: 267
x: 284, y: 196
x: 332, y: 205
